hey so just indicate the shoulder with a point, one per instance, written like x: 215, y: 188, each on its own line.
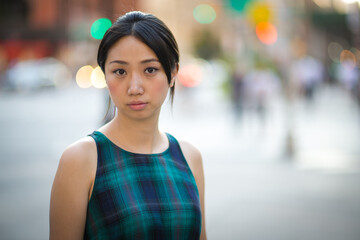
x: 81, y: 149
x: 191, y: 153
x: 71, y: 190
x: 193, y: 157
x: 79, y: 156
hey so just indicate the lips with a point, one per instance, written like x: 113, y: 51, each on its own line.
x: 137, y: 105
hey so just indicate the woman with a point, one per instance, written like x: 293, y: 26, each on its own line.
x: 128, y: 180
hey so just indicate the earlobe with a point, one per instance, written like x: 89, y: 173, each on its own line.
x: 174, y: 75
x: 172, y: 82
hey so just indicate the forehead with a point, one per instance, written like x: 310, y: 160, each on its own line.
x: 130, y: 47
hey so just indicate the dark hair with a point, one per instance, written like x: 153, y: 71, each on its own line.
x: 151, y: 31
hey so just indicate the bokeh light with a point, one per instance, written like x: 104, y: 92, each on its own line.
x: 334, y: 51
x: 83, y: 79
x: 266, y: 32
x: 348, y: 57
x: 99, y: 27
x: 238, y: 5
x: 190, y: 75
x: 204, y: 13
x: 260, y: 12
x: 98, y: 78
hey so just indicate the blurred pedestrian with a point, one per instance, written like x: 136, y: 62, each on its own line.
x: 308, y: 74
x: 128, y: 180
x: 237, y: 92
x: 348, y: 75
x: 261, y: 85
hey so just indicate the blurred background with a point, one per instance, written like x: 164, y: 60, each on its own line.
x: 268, y: 90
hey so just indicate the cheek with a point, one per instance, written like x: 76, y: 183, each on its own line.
x: 161, y: 86
x: 114, y: 91
x: 112, y: 86
x: 110, y: 82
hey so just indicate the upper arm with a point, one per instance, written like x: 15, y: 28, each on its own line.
x: 70, y: 190
x: 194, y: 159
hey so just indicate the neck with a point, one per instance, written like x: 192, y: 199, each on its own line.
x: 137, y: 136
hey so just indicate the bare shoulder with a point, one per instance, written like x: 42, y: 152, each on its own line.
x: 190, y: 151
x: 77, y: 167
x: 192, y: 156
x: 80, y: 155
x: 71, y: 190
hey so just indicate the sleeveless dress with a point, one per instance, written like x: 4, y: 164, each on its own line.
x: 142, y: 196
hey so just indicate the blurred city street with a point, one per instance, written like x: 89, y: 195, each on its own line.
x: 254, y: 190
x: 268, y: 90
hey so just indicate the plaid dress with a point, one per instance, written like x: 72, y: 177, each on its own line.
x: 142, y: 196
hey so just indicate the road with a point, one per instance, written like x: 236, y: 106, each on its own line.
x: 253, y: 190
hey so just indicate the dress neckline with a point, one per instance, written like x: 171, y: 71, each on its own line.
x: 134, y: 153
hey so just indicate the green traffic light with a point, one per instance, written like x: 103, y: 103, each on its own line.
x: 99, y: 27
x: 238, y: 5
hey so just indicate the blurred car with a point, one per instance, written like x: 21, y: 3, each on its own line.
x: 36, y: 74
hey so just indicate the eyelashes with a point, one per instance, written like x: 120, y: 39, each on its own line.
x: 149, y: 70
x: 120, y: 72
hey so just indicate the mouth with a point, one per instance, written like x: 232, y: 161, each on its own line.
x: 137, y: 105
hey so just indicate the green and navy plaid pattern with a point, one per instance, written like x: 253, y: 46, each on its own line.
x: 142, y: 196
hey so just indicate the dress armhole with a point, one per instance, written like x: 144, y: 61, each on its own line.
x: 94, y: 138
x: 176, y: 149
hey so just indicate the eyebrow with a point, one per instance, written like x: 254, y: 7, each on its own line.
x: 143, y: 61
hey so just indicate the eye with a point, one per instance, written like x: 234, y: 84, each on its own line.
x: 120, y: 72
x: 151, y: 70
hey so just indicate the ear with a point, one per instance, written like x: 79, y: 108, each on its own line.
x: 172, y: 82
x: 174, y: 74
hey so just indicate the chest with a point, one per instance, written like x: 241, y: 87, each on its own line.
x: 145, y: 196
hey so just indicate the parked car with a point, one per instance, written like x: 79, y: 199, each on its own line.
x: 36, y: 74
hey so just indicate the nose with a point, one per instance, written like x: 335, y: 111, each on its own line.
x: 135, y: 85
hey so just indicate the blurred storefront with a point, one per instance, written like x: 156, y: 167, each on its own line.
x: 243, y: 34
x: 34, y: 29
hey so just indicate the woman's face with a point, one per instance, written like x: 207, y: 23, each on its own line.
x: 136, y: 79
